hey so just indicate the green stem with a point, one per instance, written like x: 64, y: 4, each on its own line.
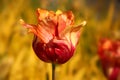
x: 53, y: 71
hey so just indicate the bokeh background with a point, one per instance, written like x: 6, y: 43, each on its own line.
x: 17, y: 59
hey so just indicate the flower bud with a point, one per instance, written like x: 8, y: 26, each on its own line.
x: 109, y: 53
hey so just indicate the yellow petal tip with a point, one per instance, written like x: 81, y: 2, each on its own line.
x: 84, y: 23
x: 22, y: 21
x: 58, y: 12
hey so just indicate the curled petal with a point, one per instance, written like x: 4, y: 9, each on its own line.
x: 44, y: 35
x: 78, y: 27
x: 65, y: 20
x: 42, y: 14
x: 73, y: 33
x: 28, y: 26
x: 47, y: 20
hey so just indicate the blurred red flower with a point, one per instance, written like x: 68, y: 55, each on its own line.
x: 55, y: 37
x: 109, y: 53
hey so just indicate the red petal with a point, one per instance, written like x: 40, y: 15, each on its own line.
x: 39, y: 50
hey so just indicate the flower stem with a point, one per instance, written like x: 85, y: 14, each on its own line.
x: 53, y: 71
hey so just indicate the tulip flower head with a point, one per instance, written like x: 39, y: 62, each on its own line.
x: 55, y: 36
x: 109, y: 53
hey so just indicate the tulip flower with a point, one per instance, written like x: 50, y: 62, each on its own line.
x: 55, y: 35
x: 109, y: 53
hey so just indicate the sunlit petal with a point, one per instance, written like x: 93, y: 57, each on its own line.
x: 76, y: 32
x: 65, y: 20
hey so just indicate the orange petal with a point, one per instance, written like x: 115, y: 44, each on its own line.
x: 41, y: 13
x: 43, y: 34
x: 47, y: 20
x: 39, y: 31
x: 64, y: 20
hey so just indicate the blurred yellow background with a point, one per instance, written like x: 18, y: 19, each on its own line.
x: 17, y: 59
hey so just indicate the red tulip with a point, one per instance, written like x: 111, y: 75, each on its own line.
x: 109, y: 53
x: 55, y: 37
